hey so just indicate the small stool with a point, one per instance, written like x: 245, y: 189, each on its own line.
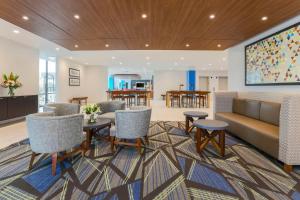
x: 189, y: 117
x: 208, y: 130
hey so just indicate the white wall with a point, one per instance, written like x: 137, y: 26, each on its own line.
x: 203, y: 83
x: 167, y: 80
x: 223, y: 83
x: 212, y: 77
x: 65, y: 92
x: 23, y: 61
x: 96, y: 83
x: 93, y: 82
x: 236, y: 64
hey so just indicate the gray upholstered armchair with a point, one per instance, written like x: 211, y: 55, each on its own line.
x: 108, y: 109
x: 61, y: 109
x: 131, y: 124
x: 52, y: 134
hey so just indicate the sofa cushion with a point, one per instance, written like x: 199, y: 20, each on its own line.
x: 252, y: 108
x: 270, y: 112
x: 239, y: 106
x: 263, y: 135
x: 109, y: 115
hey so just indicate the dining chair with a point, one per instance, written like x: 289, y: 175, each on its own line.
x: 61, y: 109
x: 108, y: 109
x: 131, y: 124
x: 49, y: 134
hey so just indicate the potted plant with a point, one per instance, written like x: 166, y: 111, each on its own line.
x: 11, y: 82
x: 91, y: 111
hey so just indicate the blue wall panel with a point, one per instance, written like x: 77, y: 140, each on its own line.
x: 111, y: 82
x: 191, y: 80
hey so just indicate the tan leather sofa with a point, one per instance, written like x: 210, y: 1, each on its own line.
x: 268, y: 126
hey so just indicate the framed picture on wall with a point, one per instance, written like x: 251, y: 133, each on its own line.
x: 275, y: 59
x: 74, y: 72
x: 74, y: 81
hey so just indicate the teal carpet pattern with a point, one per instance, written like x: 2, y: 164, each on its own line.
x: 169, y: 168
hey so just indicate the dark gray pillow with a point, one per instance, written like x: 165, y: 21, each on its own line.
x: 270, y: 112
x: 252, y: 108
x: 239, y: 106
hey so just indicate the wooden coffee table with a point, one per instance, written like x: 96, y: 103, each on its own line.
x: 206, y: 132
x: 91, y: 128
x: 189, y: 118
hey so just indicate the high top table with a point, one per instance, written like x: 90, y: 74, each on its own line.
x: 208, y: 130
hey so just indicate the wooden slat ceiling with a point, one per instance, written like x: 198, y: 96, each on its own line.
x: 170, y: 24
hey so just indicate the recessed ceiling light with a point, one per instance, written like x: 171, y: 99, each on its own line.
x: 57, y: 49
x: 209, y: 64
x: 144, y: 16
x: 224, y: 58
x: 147, y: 58
x: 181, y: 58
x: 148, y: 63
x: 16, y: 31
x: 264, y: 18
x: 76, y: 46
x: 25, y: 17
x: 113, y: 57
x: 187, y: 45
x: 71, y: 57
x: 121, y: 63
x: 147, y: 45
x: 106, y: 45
x: 219, y: 45
x: 76, y: 16
x: 212, y: 16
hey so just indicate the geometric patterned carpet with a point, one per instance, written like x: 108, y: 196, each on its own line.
x: 169, y: 168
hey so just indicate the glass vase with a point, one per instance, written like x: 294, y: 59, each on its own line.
x: 11, y: 91
x: 92, y: 118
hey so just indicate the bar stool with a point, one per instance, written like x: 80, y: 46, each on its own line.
x: 142, y: 100
x: 118, y: 97
x: 188, y: 100
x: 175, y: 99
x: 200, y: 99
x: 129, y: 99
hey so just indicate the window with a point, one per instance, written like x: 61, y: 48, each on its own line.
x: 47, y: 80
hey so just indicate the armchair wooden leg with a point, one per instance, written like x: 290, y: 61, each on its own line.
x: 139, y: 145
x: 112, y: 143
x: 287, y: 168
x: 54, y: 162
x: 31, y: 160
